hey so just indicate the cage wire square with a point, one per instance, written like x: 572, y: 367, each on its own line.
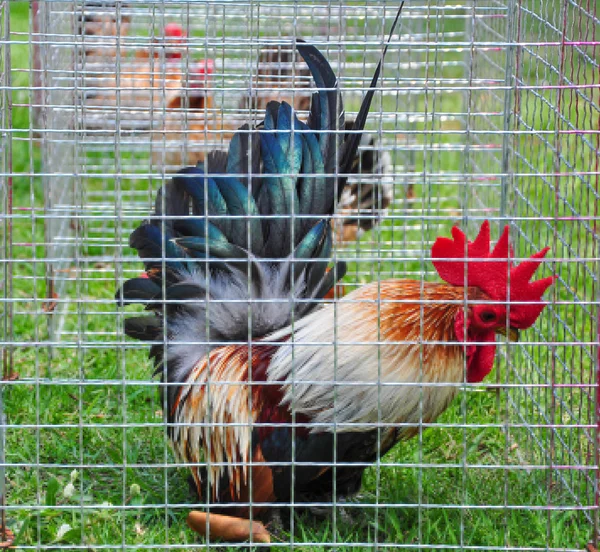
x: 484, y: 110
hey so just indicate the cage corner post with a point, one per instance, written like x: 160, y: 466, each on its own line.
x: 54, y: 60
x: 511, y: 105
x: 5, y: 251
x: 40, y: 64
x: 596, y: 212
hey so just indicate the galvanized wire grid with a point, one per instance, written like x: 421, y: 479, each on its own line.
x: 488, y: 109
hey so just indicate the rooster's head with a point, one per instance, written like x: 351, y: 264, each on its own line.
x: 507, y: 301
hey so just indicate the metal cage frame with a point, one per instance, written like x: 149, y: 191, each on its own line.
x: 488, y: 109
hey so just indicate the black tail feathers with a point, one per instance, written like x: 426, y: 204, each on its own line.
x: 240, y: 244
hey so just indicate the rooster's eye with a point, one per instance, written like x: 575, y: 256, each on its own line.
x: 488, y: 316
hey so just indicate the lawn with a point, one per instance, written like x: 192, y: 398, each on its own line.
x: 509, y: 466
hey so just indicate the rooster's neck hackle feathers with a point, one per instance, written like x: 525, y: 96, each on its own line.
x: 426, y: 310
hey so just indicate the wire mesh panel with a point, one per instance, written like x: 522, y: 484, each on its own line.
x: 551, y: 381
x: 554, y: 197
x: 484, y: 110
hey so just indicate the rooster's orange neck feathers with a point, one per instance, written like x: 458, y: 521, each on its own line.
x: 426, y: 314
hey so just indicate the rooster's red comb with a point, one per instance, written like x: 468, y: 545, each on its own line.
x: 174, y: 38
x: 494, y: 273
x: 174, y: 30
x: 200, y: 73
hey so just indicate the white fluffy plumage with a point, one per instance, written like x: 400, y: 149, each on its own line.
x: 336, y: 367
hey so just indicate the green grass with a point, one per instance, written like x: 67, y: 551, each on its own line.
x: 477, y: 480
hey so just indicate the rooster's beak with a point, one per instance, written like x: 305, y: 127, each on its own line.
x: 512, y: 333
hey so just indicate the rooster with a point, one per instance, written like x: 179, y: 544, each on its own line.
x: 272, y: 393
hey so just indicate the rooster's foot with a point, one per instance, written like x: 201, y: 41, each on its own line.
x: 227, y: 528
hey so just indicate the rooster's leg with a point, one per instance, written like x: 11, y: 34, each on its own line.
x: 227, y: 528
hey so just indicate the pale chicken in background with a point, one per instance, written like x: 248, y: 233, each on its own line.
x: 159, y: 88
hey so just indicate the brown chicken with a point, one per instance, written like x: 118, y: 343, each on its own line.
x: 149, y: 89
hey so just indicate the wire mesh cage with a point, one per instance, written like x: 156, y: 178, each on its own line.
x: 485, y: 110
